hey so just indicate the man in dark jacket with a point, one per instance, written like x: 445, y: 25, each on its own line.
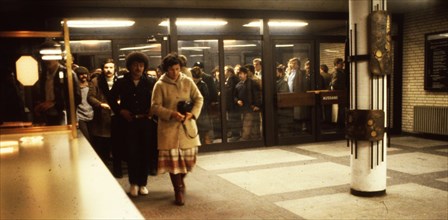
x: 134, y: 91
x: 54, y: 105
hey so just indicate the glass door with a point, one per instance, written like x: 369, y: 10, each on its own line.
x: 294, y: 85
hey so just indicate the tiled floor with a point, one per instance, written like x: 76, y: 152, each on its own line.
x: 309, y: 181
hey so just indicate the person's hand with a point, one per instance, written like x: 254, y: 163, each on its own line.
x: 240, y: 103
x: 178, y: 116
x: 127, y: 115
x: 189, y: 116
x: 105, y: 106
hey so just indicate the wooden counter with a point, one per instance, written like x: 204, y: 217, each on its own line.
x: 58, y: 178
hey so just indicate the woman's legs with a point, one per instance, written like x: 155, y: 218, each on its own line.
x: 179, y: 188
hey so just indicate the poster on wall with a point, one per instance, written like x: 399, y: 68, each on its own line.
x: 436, y: 62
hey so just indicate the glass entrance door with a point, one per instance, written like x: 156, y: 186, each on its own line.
x: 295, y: 81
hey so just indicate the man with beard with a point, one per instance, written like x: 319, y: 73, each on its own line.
x: 106, y: 126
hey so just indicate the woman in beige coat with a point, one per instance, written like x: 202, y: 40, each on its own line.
x: 177, y: 132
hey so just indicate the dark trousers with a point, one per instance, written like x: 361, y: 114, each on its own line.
x: 118, y: 143
x: 139, y: 134
x: 85, y: 128
x: 101, y: 145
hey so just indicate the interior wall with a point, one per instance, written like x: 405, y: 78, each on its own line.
x: 416, y: 25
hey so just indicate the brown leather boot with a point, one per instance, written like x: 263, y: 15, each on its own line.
x: 176, y: 180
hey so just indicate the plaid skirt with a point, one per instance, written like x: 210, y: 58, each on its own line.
x: 177, y: 160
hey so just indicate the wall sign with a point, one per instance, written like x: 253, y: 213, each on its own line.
x: 436, y: 62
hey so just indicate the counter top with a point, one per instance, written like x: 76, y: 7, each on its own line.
x: 51, y: 176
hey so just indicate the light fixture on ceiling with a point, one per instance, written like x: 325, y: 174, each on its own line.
x: 141, y: 47
x: 195, y: 48
x: 278, y: 23
x: 89, y: 42
x: 240, y: 45
x: 284, y: 45
x: 99, y: 23
x: 196, y: 22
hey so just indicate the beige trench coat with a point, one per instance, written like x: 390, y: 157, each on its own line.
x: 166, y: 94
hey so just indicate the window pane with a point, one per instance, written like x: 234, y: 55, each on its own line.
x: 204, y: 54
x: 244, y: 118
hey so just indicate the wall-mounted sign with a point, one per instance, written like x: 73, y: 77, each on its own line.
x: 436, y: 62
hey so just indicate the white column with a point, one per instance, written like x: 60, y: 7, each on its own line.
x: 366, y: 180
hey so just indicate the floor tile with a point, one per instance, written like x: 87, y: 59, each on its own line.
x: 289, y: 179
x: 407, y: 201
x: 335, y: 149
x: 235, y: 159
x: 417, y: 142
x: 417, y: 163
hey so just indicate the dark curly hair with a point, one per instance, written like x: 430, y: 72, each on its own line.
x: 137, y: 57
x: 171, y: 60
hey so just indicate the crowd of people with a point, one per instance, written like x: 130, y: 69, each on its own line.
x: 153, y: 119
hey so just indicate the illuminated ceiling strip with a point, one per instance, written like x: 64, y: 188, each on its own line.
x: 277, y: 24
x: 52, y: 57
x: 141, y: 47
x: 89, y: 42
x: 50, y: 51
x: 284, y: 45
x: 99, y: 23
x: 195, y: 48
x: 196, y: 22
x: 240, y: 45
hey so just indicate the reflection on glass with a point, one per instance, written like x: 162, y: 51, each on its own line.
x: 202, y: 60
x: 152, y: 50
x: 329, y: 112
x: 242, y: 89
x: 292, y: 77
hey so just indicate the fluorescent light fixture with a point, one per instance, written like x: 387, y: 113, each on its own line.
x: 197, y: 55
x: 50, y: 51
x: 284, y: 45
x: 8, y: 143
x: 279, y: 23
x: 253, y: 24
x: 141, y: 47
x: 205, y: 41
x: 99, y: 23
x: 195, y: 48
x: 287, y: 24
x: 52, y: 57
x: 89, y: 42
x: 240, y: 45
x: 196, y: 22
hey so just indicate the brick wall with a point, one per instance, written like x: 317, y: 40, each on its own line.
x: 416, y: 25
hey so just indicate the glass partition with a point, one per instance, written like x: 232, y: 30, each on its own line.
x: 205, y: 55
x: 330, y: 115
x: 294, y: 103
x: 243, y: 97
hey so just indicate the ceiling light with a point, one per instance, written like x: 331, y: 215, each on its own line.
x: 196, y: 22
x: 240, y: 45
x: 253, y: 24
x: 141, y: 47
x: 287, y: 24
x: 284, y: 45
x: 89, y: 42
x: 52, y: 57
x: 195, y: 48
x: 278, y: 23
x: 99, y: 23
